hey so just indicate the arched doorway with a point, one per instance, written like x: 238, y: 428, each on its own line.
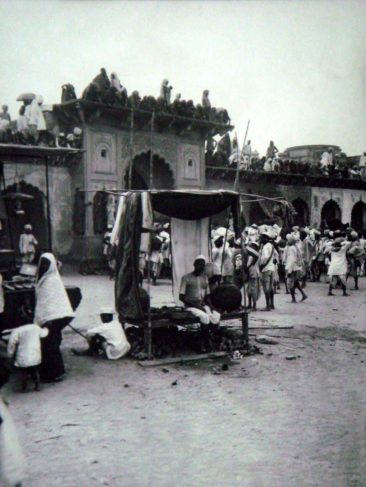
x: 331, y: 215
x: 358, y: 216
x: 162, y: 175
x: 34, y: 213
x: 302, y: 217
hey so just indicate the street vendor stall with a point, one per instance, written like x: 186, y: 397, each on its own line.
x: 189, y: 212
x: 18, y: 280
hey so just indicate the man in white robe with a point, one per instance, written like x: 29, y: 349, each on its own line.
x: 108, y: 338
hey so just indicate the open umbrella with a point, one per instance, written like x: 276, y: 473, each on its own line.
x: 26, y: 97
x: 17, y: 195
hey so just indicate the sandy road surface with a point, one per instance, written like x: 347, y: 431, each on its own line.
x: 265, y: 421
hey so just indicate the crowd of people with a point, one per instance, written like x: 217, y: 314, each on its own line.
x: 330, y: 164
x: 272, y: 257
x: 301, y: 255
x: 110, y: 91
x: 31, y: 128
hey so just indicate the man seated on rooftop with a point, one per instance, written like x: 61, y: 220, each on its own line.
x: 362, y: 165
x: 268, y: 167
x: 4, y: 114
x: 276, y: 165
x: 194, y: 294
x: 326, y: 161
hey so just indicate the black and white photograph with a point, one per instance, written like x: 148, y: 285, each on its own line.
x: 183, y: 243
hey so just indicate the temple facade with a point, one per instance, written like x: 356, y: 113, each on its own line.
x: 117, y: 155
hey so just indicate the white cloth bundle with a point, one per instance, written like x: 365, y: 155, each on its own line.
x: 12, y: 462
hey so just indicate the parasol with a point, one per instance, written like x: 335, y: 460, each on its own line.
x: 26, y: 97
x: 17, y: 196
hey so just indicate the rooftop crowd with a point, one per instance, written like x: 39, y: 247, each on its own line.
x: 329, y: 164
x: 32, y: 126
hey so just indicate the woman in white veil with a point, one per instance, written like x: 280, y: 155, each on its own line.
x: 53, y: 311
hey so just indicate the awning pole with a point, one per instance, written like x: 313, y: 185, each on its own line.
x: 49, y: 226
x: 151, y: 179
x: 244, y: 319
x: 131, y: 149
x: 149, y: 327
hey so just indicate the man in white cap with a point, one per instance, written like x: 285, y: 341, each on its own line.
x: 326, y: 161
x: 267, y: 264
x: 355, y: 254
x: 338, y: 265
x: 294, y: 267
x: 107, y: 338
x: 194, y: 291
x: 222, y: 255
x: 253, y: 233
x: 27, y: 245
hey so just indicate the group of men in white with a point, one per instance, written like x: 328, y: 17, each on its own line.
x: 307, y: 253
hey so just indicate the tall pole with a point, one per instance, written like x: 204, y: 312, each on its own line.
x: 151, y: 182
x: 236, y: 184
x: 132, y: 151
x: 151, y: 174
x: 244, y: 318
x: 49, y: 226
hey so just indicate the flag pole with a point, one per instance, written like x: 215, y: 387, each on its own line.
x: 236, y: 184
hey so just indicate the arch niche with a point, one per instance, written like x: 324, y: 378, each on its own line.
x: 162, y: 175
x: 302, y: 217
x: 331, y: 215
x: 34, y: 213
x: 358, y: 216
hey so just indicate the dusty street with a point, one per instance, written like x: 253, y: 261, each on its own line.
x: 266, y: 421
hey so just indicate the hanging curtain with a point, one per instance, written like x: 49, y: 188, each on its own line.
x: 100, y: 214
x: 127, y: 295
x: 189, y: 238
x: 78, y: 216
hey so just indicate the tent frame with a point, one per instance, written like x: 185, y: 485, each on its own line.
x: 148, y: 324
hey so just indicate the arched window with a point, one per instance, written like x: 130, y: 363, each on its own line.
x: 358, y: 216
x: 331, y: 214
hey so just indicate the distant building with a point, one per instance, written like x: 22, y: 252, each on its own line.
x: 318, y: 200
x: 308, y: 153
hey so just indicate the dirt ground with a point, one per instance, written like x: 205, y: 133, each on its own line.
x: 266, y: 421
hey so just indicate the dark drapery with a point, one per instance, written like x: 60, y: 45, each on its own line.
x: 194, y: 205
x: 78, y: 216
x: 128, y: 304
x: 100, y: 212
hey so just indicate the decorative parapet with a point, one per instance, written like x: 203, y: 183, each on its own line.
x: 228, y: 173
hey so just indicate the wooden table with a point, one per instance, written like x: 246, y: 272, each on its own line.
x: 165, y: 323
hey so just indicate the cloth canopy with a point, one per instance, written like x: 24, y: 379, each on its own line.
x: 193, y: 204
x: 189, y: 238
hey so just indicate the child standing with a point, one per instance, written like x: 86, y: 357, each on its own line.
x: 25, y: 347
x: 27, y: 245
